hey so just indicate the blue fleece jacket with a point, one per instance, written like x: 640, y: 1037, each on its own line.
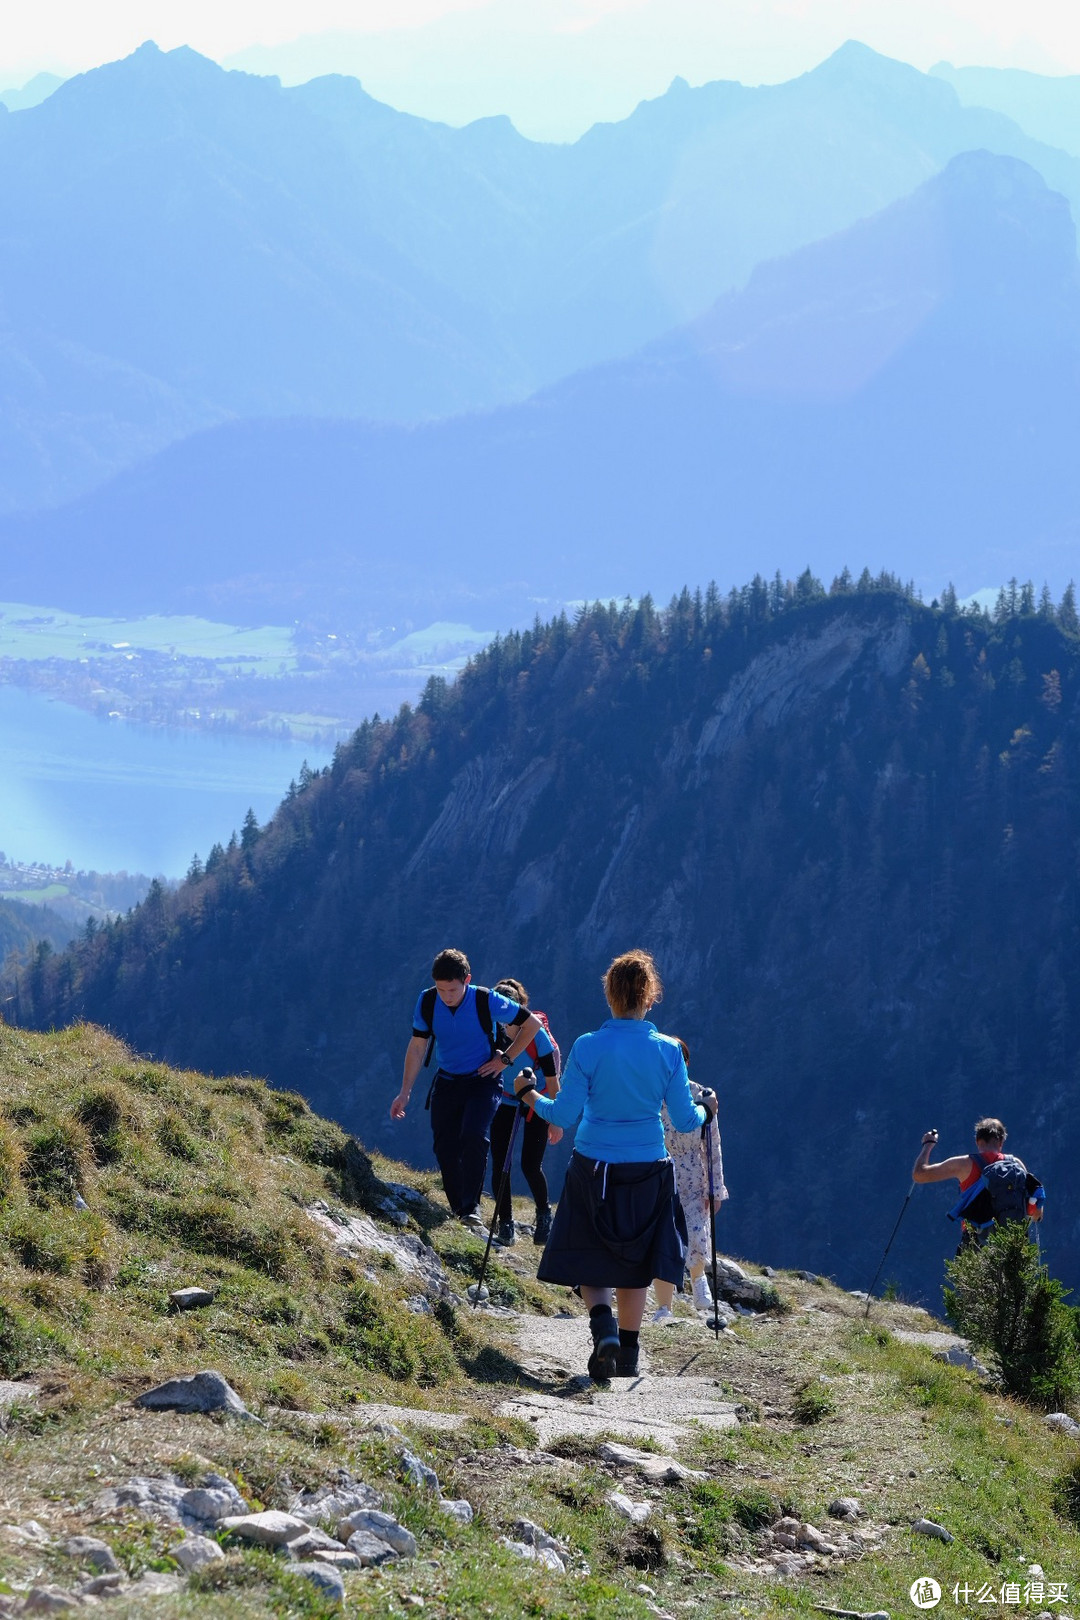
x: 615, y: 1081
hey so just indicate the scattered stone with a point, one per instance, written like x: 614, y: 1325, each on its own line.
x: 357, y: 1235
x: 92, y: 1550
x: 167, y: 1499
x: 958, y: 1356
x: 209, y: 1503
x: 418, y: 1305
x: 48, y: 1600
x: 324, y: 1578
x: 154, y: 1583
x: 312, y: 1542
x: 13, y: 1393
x: 844, y: 1507
x: 190, y: 1299
x: 533, y: 1536
x: 854, y: 1614
x: 202, y: 1392
x: 636, y: 1512
x: 1062, y: 1422
x: 659, y: 1470
x: 371, y: 1550
x: 336, y: 1557
x: 331, y: 1503
x: 927, y: 1527
x: 30, y: 1531
x: 459, y: 1510
x: 268, y: 1529
x: 384, y: 1525
x: 811, y: 1537
x: 419, y: 1474
x: 768, y: 1271
x: 102, y: 1585
x: 195, y: 1552
x: 808, y: 1276
x: 541, y: 1555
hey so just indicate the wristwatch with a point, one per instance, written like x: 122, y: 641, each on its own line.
x: 506, y: 1061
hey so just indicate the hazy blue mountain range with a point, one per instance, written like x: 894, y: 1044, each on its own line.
x: 180, y: 245
x: 1047, y: 107
x: 32, y: 93
x: 848, y: 826
x: 906, y: 390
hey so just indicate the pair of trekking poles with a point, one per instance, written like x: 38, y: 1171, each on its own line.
x: 480, y: 1294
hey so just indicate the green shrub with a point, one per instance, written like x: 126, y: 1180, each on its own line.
x: 65, y: 1243
x: 1003, y: 1298
x: 57, y: 1160
x: 813, y: 1402
x: 381, y: 1335
x: 1066, y: 1496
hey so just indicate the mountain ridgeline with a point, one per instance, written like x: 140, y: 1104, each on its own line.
x: 846, y: 823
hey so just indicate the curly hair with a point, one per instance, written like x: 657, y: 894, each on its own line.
x: 632, y: 984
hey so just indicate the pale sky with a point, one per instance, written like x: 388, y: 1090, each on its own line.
x: 553, y: 65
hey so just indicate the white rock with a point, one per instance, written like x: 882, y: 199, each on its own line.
x: 190, y: 1299
x: 376, y: 1523
x: 371, y: 1550
x: 268, y: 1529
x: 541, y: 1555
x: 324, y: 1578
x: 201, y: 1392
x: 337, y: 1558
x: 333, y: 1503
x: 1062, y: 1422
x: 102, y: 1585
x: 957, y: 1356
x: 636, y: 1512
x: 927, y: 1527
x: 418, y: 1473
x: 92, y: 1550
x: 312, y: 1542
x: 844, y: 1507
x: 30, y: 1531
x: 195, y: 1552
x: 658, y: 1469
x: 48, y: 1600
x: 208, y: 1504
x: 459, y: 1510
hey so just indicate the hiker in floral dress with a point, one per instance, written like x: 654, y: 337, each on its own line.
x: 688, y: 1153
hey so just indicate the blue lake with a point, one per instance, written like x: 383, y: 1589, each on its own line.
x: 112, y: 796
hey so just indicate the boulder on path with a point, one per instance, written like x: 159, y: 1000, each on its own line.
x: 658, y: 1469
x: 268, y: 1529
x: 201, y: 1392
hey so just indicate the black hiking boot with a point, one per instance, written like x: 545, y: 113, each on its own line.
x: 626, y: 1365
x: 542, y: 1229
x: 605, y: 1335
x: 506, y: 1234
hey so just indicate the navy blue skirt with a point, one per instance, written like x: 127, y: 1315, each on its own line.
x: 616, y: 1226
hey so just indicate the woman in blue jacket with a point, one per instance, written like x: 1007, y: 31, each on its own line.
x: 618, y: 1224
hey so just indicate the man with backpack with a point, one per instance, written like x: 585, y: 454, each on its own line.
x: 457, y: 1020
x: 995, y: 1187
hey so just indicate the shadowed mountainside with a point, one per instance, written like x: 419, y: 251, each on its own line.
x: 909, y: 388
x: 847, y: 826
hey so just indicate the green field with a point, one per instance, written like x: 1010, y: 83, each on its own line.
x: 44, y: 632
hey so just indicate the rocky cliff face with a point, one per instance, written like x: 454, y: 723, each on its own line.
x: 847, y: 827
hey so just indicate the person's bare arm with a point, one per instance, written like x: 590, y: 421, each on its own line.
x: 954, y: 1169
x: 414, y: 1057
x: 525, y: 1033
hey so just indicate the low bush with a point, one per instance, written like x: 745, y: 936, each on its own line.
x: 393, y: 1341
x: 1003, y: 1298
x: 11, y: 1162
x: 20, y: 1346
x: 110, y: 1121
x: 813, y: 1402
x: 57, y: 1160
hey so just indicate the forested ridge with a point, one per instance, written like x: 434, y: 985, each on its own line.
x: 845, y: 821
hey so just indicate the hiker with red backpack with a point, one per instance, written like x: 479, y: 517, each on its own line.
x: 543, y: 1058
x: 456, y: 1019
x: 995, y: 1187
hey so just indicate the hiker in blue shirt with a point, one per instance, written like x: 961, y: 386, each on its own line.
x: 460, y: 1019
x: 618, y: 1223
x: 542, y: 1057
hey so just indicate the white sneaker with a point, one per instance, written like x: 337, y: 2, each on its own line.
x: 703, y: 1300
x: 663, y: 1313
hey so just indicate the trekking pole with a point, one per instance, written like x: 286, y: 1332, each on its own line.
x: 479, y: 1292
x: 888, y: 1246
x: 706, y: 1131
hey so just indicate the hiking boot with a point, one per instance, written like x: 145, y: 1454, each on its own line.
x: 473, y: 1219
x: 703, y: 1300
x: 663, y: 1313
x: 506, y: 1233
x: 626, y: 1364
x: 605, y: 1356
x: 542, y: 1229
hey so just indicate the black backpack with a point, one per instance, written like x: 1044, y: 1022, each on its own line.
x: 1000, y: 1195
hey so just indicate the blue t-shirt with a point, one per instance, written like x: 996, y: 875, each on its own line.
x: 615, y: 1081
x: 461, y: 1042
x: 544, y: 1048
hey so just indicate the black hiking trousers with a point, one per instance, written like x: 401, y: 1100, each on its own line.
x: 534, y: 1140
x: 462, y: 1108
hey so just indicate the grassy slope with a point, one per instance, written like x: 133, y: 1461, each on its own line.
x: 196, y: 1180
